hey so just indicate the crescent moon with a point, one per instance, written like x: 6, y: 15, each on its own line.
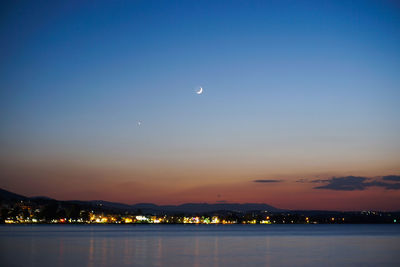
x: 200, y: 91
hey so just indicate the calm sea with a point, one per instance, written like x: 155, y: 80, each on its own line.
x: 200, y: 245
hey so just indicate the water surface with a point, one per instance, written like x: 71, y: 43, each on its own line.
x: 199, y: 245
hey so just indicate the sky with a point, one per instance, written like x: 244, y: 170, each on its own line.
x: 299, y: 110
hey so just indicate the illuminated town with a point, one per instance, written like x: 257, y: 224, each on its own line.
x: 55, y: 213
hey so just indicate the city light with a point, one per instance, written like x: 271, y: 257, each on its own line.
x: 29, y: 213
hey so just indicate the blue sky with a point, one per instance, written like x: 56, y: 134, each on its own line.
x: 289, y: 86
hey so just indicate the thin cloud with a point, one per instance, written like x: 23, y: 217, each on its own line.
x: 348, y: 183
x: 395, y: 186
x: 320, y: 181
x: 395, y: 178
x: 267, y: 181
x: 353, y: 183
x: 389, y: 186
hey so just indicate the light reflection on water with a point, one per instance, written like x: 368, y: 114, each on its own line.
x: 207, y: 245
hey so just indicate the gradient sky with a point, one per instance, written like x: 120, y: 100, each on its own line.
x: 296, y: 94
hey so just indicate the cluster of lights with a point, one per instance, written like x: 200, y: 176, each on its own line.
x: 21, y: 220
x: 94, y: 218
x: 102, y: 219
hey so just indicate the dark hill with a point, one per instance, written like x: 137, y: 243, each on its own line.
x: 9, y: 196
x: 207, y: 208
x: 146, y: 208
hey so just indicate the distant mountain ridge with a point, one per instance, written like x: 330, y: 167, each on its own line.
x: 150, y: 208
x: 206, y: 207
x: 10, y: 196
x: 187, y: 207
